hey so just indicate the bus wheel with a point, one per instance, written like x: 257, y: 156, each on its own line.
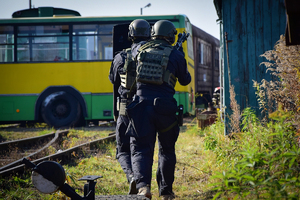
x: 61, y: 109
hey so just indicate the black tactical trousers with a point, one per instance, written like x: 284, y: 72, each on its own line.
x: 143, y: 149
x: 123, y: 145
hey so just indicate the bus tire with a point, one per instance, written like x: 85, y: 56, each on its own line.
x: 61, y: 109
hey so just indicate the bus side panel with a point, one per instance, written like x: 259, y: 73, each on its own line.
x: 182, y: 98
x: 17, y: 108
x: 99, y: 106
x: 33, y: 78
x: 88, y: 103
x: 102, y: 106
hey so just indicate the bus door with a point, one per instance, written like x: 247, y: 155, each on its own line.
x: 120, y: 42
x: 120, y: 38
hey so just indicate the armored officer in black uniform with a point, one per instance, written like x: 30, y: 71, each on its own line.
x: 154, y: 108
x: 122, y: 73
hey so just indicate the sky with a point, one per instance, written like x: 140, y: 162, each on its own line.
x: 201, y: 13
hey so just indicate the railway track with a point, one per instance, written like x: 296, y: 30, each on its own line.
x: 62, y: 155
x: 28, y: 143
x: 34, y: 156
x: 21, y: 143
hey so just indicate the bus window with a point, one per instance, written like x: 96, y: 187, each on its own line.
x: 92, y: 42
x: 6, y: 44
x: 43, y: 43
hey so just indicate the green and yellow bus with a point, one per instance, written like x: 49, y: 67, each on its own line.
x: 54, y: 66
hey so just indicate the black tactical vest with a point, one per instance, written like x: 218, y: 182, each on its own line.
x: 152, y: 64
x: 128, y: 78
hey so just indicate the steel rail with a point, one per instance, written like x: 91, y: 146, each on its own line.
x: 59, y: 155
x: 57, y: 135
x: 26, y: 141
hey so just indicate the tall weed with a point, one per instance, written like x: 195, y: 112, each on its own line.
x: 261, y: 161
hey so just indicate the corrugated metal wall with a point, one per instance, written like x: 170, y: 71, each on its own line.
x: 253, y: 27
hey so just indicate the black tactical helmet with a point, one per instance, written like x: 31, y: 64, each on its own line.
x: 139, y: 28
x: 164, y: 29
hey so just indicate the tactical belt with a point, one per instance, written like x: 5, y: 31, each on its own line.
x: 168, y: 128
x: 150, y: 101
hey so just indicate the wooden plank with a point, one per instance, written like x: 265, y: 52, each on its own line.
x: 267, y: 16
x: 282, y: 17
x: 243, y: 77
x: 275, y: 34
x: 259, y: 38
x: 226, y: 6
x: 259, y: 34
x: 236, y: 48
x: 250, y: 62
